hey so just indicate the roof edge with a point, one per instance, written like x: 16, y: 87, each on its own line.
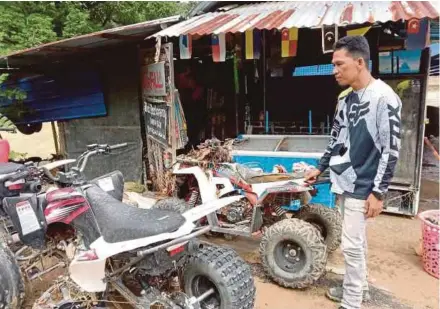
x: 154, y: 22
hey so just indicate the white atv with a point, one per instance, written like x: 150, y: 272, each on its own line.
x: 296, y: 235
x: 150, y: 257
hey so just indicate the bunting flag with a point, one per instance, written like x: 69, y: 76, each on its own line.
x: 418, y: 32
x: 252, y: 44
x: 185, y: 46
x: 329, y: 38
x: 218, y: 47
x: 289, y: 42
x: 358, y: 31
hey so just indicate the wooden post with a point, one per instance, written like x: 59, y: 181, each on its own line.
x: 55, y: 138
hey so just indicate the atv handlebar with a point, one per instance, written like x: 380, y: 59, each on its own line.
x: 117, y: 146
x: 98, y: 149
x: 14, y: 176
x: 82, y: 160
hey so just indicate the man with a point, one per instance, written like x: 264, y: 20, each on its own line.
x: 362, y: 155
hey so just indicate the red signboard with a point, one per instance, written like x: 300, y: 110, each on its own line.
x: 153, y: 80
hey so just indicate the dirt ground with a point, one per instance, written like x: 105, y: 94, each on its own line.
x: 396, y: 276
x: 39, y: 144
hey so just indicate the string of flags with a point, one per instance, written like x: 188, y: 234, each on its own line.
x: 417, y: 38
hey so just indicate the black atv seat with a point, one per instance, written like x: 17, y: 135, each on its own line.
x: 10, y: 167
x: 121, y: 222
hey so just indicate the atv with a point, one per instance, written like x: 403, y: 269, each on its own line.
x: 150, y: 257
x: 18, y: 179
x: 296, y: 236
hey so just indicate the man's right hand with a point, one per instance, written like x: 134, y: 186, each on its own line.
x: 311, y: 175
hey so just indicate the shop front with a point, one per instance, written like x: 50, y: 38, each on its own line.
x: 263, y: 73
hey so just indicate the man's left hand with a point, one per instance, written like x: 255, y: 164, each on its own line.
x: 373, y: 206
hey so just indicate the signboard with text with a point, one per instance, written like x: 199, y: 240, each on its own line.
x: 156, y: 121
x: 153, y: 80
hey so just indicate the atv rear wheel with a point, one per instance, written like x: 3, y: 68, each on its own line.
x: 224, y: 272
x: 293, y: 253
x: 12, y: 288
x: 327, y: 220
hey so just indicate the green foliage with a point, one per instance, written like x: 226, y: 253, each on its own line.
x: 27, y: 24
x: 23, y: 27
x: 14, y: 94
x: 18, y: 156
x: 78, y: 22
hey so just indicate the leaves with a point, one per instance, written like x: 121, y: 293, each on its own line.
x: 78, y: 22
x: 27, y: 24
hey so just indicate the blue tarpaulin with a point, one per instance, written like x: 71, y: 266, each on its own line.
x: 53, y: 98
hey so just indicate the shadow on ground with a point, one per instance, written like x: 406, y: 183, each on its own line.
x: 379, y: 298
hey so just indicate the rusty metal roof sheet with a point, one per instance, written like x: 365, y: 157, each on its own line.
x: 88, y: 42
x: 278, y: 15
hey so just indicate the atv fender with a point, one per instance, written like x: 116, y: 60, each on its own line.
x: 89, y: 275
x: 208, y: 190
x: 88, y: 269
x: 227, y: 185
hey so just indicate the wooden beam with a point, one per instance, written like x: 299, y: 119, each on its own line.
x: 63, y: 49
x: 115, y: 36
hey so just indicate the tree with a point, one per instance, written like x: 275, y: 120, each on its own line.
x: 27, y: 24
x: 78, y: 22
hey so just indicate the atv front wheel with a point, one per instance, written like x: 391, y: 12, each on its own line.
x: 223, y: 275
x: 327, y: 220
x: 12, y: 288
x: 293, y: 253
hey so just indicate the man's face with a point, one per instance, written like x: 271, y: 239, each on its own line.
x: 346, y: 69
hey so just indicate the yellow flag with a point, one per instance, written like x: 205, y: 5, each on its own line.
x: 249, y: 50
x: 358, y: 31
x: 289, y: 42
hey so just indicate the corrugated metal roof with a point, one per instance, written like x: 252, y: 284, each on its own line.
x: 278, y: 15
x: 88, y: 42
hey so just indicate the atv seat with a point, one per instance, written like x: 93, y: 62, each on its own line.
x: 253, y: 177
x: 121, y: 222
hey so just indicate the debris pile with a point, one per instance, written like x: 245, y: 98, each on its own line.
x: 210, y: 151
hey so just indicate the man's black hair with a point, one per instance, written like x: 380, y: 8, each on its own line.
x: 357, y: 46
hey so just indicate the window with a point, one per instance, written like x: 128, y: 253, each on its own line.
x: 400, y: 62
